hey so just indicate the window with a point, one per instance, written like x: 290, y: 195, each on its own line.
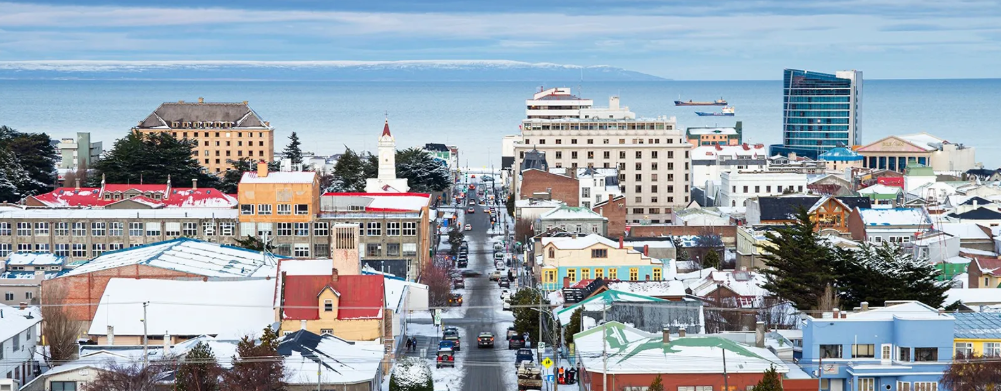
x: 136, y: 229
x: 585, y: 274
x: 98, y: 249
x: 409, y: 249
x: 9, y: 296
x: 328, y: 305
x: 41, y: 229
x: 172, y: 229
x: 190, y: 229
x: 866, y: 384
x: 634, y: 274
x: 321, y: 229
x: 284, y: 229
x: 598, y: 253
x: 98, y: 228
x: 992, y: 349
x: 573, y: 154
x: 830, y: 351
x: 863, y: 351
x: 264, y: 209
x: 226, y: 229
x: 903, y: 354
x: 656, y: 274
x: 62, y: 249
x: 373, y: 250
x: 321, y: 250
x: 925, y: 386
x: 115, y: 228
x: 79, y: 250
x: 549, y: 276
x: 559, y: 154
x: 653, y: 154
x: 964, y: 349
x: 24, y: 247
x: 24, y: 229
x: 572, y: 274
x: 5, y: 229
x: 284, y: 209
x: 301, y: 229
x: 264, y: 229
x: 247, y: 209
x: 374, y: 229
x: 152, y: 229
x: 639, y: 154
x: 392, y: 249
x: 115, y: 246
x: 326, y: 331
x: 925, y: 354
x: 903, y: 386
x: 61, y: 229
x: 208, y: 228
x: 300, y: 250
x: 301, y: 209
x: 409, y: 228
x: 41, y: 247
x: 393, y: 228
x: 613, y: 273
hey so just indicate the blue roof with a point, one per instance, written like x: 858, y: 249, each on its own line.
x: 978, y: 325
x: 840, y: 155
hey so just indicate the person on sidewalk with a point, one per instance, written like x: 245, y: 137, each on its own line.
x: 408, y: 343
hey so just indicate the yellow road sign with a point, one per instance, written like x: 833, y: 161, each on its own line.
x: 547, y: 362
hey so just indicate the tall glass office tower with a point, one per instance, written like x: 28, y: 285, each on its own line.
x: 820, y: 111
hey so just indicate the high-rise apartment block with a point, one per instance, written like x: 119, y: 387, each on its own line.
x: 820, y: 112
x: 651, y: 155
x: 224, y: 131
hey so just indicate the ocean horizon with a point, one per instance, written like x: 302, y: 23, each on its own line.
x: 475, y: 115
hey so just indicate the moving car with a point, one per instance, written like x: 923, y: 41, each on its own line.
x: 453, y: 336
x: 495, y: 276
x: 471, y: 273
x: 459, y: 283
x: 516, y: 341
x: 485, y: 339
x: 455, y: 300
x: 446, y: 358
x: 523, y: 355
x: 463, y: 263
x: 504, y: 283
x: 471, y: 210
x: 511, y: 332
x: 468, y: 227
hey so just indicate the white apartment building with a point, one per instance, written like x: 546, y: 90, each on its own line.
x: 597, y: 185
x: 555, y: 103
x: 708, y: 162
x: 652, y: 155
x: 738, y: 186
x: 18, y: 336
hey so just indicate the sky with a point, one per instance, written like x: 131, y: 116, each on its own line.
x: 682, y: 39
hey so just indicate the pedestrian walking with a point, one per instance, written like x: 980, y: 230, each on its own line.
x: 409, y: 341
x: 415, y: 344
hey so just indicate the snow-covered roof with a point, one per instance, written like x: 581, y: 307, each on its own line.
x: 342, y: 362
x: 171, y: 197
x: 964, y: 230
x: 183, y: 255
x: 182, y: 307
x: 578, y: 243
x: 307, y: 267
x: 712, y: 152
x: 880, y: 188
x: 603, y: 300
x: 633, y: 351
x: 840, y: 154
x: 35, y: 259
x: 389, y: 202
x: 894, y: 216
x: 973, y: 296
x: 170, y: 213
x: 911, y: 310
x: 279, y: 177
x: 973, y: 251
x: 743, y: 283
x: 571, y: 213
x: 650, y: 288
x: 924, y: 141
x: 16, y: 320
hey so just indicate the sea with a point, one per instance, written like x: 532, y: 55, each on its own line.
x: 331, y: 116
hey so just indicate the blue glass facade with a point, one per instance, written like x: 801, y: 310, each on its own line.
x: 820, y: 111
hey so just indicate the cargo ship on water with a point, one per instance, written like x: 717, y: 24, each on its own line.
x: 726, y: 112
x: 717, y: 102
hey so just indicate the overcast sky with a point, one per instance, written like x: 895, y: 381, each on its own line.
x: 690, y: 40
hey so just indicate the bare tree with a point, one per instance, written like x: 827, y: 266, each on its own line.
x: 972, y: 374
x: 133, y: 376
x: 723, y: 314
x: 437, y: 275
x: 523, y: 230
x: 60, y: 331
x: 777, y: 313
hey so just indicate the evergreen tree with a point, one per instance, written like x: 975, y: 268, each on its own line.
x: 423, y: 173
x: 574, y: 325
x: 27, y: 164
x: 411, y: 374
x: 254, y: 243
x: 12, y: 177
x: 199, y: 371
x: 526, y: 303
x: 151, y: 158
x: 875, y: 274
x: 799, y: 267
x: 349, y: 173
x: 293, y: 152
x: 455, y: 238
x: 231, y: 179
x: 509, y: 204
x: 771, y: 381
x: 711, y: 259
x: 370, y: 166
x: 257, y: 367
x: 656, y: 385
x: 682, y: 254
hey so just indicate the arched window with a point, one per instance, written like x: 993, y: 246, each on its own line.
x: 552, y: 253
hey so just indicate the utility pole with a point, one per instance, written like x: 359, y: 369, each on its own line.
x: 319, y: 368
x: 726, y: 382
x: 604, y: 350
x: 145, y: 337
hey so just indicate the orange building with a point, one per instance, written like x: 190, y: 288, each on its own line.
x: 223, y: 131
x: 278, y: 197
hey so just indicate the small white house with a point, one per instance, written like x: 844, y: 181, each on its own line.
x: 18, y: 336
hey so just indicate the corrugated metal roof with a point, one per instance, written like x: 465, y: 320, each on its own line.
x: 361, y: 296
x: 184, y: 255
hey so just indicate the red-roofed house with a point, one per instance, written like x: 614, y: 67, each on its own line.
x: 350, y: 307
x: 125, y: 196
x: 984, y: 272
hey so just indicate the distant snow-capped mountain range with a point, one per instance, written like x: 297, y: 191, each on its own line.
x: 414, y: 70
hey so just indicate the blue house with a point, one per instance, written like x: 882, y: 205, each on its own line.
x: 905, y: 346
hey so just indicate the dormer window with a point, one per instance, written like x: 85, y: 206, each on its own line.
x: 328, y: 305
x: 552, y: 253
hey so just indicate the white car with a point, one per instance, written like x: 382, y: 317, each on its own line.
x: 468, y: 227
x: 507, y: 305
x: 505, y: 294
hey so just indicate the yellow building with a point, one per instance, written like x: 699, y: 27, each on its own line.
x: 349, y: 307
x: 977, y: 334
x: 278, y: 197
x: 223, y: 131
x: 567, y: 261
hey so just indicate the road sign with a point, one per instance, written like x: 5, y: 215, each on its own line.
x: 551, y: 378
x: 436, y: 315
x: 546, y: 362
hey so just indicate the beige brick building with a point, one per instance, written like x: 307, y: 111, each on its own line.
x: 224, y: 131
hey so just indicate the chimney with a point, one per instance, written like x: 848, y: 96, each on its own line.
x: 77, y: 183
x: 201, y: 100
x: 194, y: 184
x: 759, y: 334
x: 166, y: 337
x: 22, y: 305
x: 941, y: 310
x: 681, y: 333
x: 302, y: 324
x: 262, y: 169
x: 620, y: 242
x: 844, y: 315
x: 646, y: 250
x: 613, y: 103
x: 792, y: 156
x: 837, y: 313
x: 865, y: 306
x: 667, y: 335
x: 244, y: 103
x: 334, y: 275
x: 111, y: 335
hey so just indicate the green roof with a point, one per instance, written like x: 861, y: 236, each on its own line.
x: 623, y: 349
x: 608, y: 297
x: 918, y: 170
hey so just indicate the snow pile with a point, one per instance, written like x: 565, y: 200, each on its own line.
x: 410, y: 374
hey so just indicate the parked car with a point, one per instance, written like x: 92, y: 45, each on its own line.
x: 505, y: 293
x: 498, y: 246
x: 485, y: 339
x: 504, y: 283
x: 463, y: 263
x: 495, y: 276
x: 498, y: 257
x: 524, y: 354
x: 455, y: 300
x: 459, y: 283
x: 450, y: 345
x: 516, y: 341
x: 453, y: 336
x: 511, y: 332
x: 507, y: 305
x: 446, y: 358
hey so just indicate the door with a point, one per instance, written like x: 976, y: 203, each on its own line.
x: 837, y: 384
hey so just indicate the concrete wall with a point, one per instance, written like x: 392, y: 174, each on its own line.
x: 85, y: 290
x: 615, y: 211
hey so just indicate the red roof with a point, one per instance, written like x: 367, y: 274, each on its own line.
x: 989, y: 265
x: 385, y: 129
x: 361, y: 297
x: 64, y: 197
